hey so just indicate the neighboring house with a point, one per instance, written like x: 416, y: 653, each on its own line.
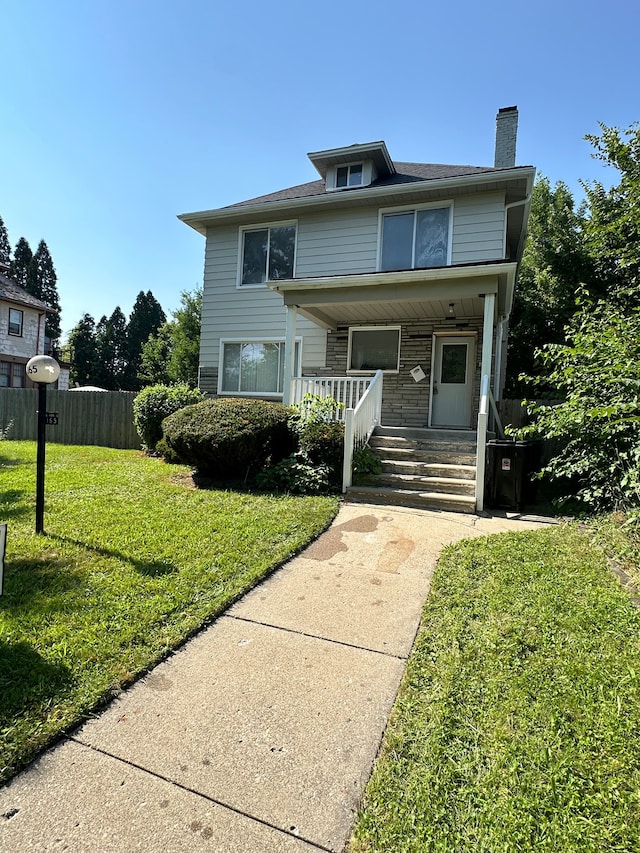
x: 406, y: 268
x: 22, y: 334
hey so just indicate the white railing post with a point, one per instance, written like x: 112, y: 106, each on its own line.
x: 348, y: 449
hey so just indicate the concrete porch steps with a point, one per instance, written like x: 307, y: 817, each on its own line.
x: 429, y: 469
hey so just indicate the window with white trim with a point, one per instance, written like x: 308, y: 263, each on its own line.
x: 268, y: 254
x: 349, y: 176
x: 253, y: 367
x: 16, y: 321
x: 416, y: 239
x: 373, y: 348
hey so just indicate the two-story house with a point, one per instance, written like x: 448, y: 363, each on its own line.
x: 380, y: 265
x: 22, y: 334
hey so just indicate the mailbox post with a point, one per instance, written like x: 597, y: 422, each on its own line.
x: 44, y: 370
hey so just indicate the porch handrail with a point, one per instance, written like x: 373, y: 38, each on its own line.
x: 359, y: 423
x: 481, y: 450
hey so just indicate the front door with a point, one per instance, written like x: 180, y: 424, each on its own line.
x: 452, y: 381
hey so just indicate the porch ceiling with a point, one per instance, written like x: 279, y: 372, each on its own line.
x: 412, y: 295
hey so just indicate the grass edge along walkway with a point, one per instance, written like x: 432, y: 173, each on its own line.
x: 134, y: 563
x: 517, y: 726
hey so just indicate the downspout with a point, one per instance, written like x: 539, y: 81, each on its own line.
x: 40, y: 316
x: 507, y: 208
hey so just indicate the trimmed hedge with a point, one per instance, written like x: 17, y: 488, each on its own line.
x: 155, y: 403
x: 228, y: 438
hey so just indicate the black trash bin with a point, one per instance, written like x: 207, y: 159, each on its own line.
x: 510, y: 465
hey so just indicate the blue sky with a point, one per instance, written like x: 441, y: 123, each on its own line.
x: 117, y: 115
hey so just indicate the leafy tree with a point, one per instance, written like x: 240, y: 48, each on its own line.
x: 83, y: 352
x: 612, y: 228
x: 20, y: 263
x: 111, y: 350
x: 173, y: 354
x: 597, y: 373
x: 155, y: 357
x: 145, y: 319
x: 42, y: 283
x: 554, y: 265
x: 5, y: 246
x: 185, y: 354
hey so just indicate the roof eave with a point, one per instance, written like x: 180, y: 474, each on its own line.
x: 200, y: 220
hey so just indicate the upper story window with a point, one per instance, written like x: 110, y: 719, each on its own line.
x: 349, y: 176
x: 416, y: 239
x: 268, y: 254
x: 16, y: 320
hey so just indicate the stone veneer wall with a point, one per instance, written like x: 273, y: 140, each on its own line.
x: 406, y: 402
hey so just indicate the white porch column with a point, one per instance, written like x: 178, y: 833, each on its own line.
x: 485, y: 384
x: 487, y: 334
x: 289, y: 352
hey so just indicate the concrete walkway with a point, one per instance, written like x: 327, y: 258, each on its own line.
x: 260, y: 733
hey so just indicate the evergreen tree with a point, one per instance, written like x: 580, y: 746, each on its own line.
x: 5, y: 246
x: 155, y: 357
x: 146, y: 318
x: 22, y: 257
x: 42, y: 283
x: 83, y: 352
x: 111, y: 340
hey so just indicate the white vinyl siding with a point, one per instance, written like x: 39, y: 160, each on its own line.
x: 478, y: 228
x: 344, y: 242
x: 256, y: 313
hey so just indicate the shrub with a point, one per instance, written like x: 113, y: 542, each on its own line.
x: 154, y: 404
x: 317, y: 466
x: 229, y: 438
x: 296, y: 476
x: 323, y: 444
x: 366, y: 463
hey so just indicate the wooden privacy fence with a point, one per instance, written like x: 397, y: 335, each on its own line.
x: 84, y: 417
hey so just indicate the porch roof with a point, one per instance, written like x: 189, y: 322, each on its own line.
x: 405, y: 295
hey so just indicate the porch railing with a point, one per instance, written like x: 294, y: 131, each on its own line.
x: 487, y: 402
x: 347, y: 390
x: 359, y: 423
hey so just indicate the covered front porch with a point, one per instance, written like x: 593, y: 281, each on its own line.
x: 450, y: 326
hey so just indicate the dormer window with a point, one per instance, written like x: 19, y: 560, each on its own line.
x: 349, y: 176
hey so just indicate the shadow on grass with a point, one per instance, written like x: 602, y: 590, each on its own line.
x: 26, y: 679
x: 45, y: 583
x: 12, y: 503
x: 150, y: 568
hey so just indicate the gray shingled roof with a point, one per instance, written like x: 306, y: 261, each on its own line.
x: 12, y: 292
x: 405, y: 173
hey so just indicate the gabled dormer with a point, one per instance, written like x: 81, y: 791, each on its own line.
x: 354, y: 166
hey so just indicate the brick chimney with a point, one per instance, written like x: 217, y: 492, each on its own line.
x: 506, y: 133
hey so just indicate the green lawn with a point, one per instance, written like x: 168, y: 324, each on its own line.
x: 133, y: 561
x: 517, y: 727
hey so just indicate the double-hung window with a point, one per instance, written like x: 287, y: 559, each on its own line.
x: 416, y: 239
x: 268, y: 254
x: 16, y: 320
x: 253, y: 367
